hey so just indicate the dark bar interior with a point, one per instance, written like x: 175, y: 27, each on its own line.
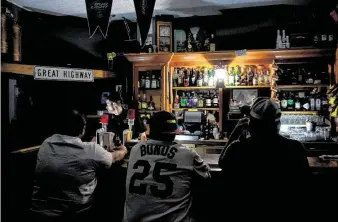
x: 197, y: 76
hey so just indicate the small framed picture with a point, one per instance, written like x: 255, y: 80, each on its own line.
x: 244, y: 96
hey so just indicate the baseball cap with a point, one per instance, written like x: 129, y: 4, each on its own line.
x: 163, y: 123
x: 265, y: 109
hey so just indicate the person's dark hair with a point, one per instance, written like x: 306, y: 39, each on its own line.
x: 73, y: 123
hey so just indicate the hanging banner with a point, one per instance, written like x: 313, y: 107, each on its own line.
x: 98, y: 14
x: 144, y: 12
x: 63, y: 74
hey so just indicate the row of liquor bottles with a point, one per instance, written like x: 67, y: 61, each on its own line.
x: 303, y: 75
x: 302, y: 101
x: 232, y: 75
x: 197, y: 100
x: 149, y: 80
x: 145, y: 104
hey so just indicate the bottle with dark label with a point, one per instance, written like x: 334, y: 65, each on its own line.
x: 180, y: 79
x: 212, y: 43
x: 144, y: 102
x: 325, y: 103
x: 208, y: 100
x: 147, y: 81
x: 250, y: 76
x: 300, y: 75
x: 151, y: 104
x: 193, y: 78
x: 183, y: 101
x: 200, y: 79
x: 186, y: 78
x: 237, y: 76
x: 206, y: 131
x: 291, y: 102
x: 215, y: 100
x: 284, y: 102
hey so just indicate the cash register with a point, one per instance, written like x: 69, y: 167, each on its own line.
x: 191, y: 124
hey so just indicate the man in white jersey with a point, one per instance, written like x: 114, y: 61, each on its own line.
x: 159, y: 177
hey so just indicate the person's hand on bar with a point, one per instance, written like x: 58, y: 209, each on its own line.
x: 119, y: 153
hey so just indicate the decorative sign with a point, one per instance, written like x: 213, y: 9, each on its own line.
x: 144, y: 12
x: 63, y: 74
x: 240, y: 52
x: 98, y: 14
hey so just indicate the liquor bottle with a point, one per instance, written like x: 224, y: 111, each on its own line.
x: 325, y: 103
x: 243, y: 76
x: 267, y: 78
x: 189, y: 102
x: 237, y: 76
x: 147, y: 81
x: 142, y: 82
x: 255, y: 79
x: 211, y: 130
x: 210, y: 78
x: 193, y: 78
x: 260, y: 78
x: 180, y: 80
x: 139, y: 101
x: 215, y: 100
x: 206, y: 43
x: 297, y: 104
x: 183, y: 101
x: 153, y: 84
x: 200, y: 79
x: 144, y: 102
x: 250, y: 76
x: 158, y: 82
x: 189, y: 43
x: 291, y: 102
x: 212, y: 43
x: 151, y: 104
x: 208, y: 100
x: 294, y: 80
x: 194, y: 100
x: 284, y: 102
x: 318, y: 102
x: 232, y: 77
x: 283, y: 39
x: 226, y: 77
x: 300, y: 75
x: 316, y: 79
x: 309, y: 78
x: 200, y: 102
x: 175, y: 77
x: 312, y: 102
x: 205, y: 77
x: 186, y: 78
x: 213, y: 73
x: 177, y: 102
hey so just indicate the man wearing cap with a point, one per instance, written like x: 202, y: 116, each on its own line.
x: 265, y: 174
x: 159, y: 176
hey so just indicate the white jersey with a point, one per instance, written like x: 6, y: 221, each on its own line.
x: 158, y: 185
